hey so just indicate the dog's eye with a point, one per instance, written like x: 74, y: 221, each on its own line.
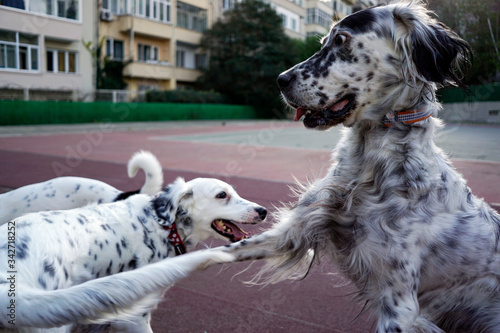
x: 221, y: 195
x: 340, y: 39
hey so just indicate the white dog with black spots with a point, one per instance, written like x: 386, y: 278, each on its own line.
x: 61, y: 256
x: 74, y: 192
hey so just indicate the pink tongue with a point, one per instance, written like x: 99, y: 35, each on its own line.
x: 336, y: 107
x: 300, y: 113
x: 340, y: 105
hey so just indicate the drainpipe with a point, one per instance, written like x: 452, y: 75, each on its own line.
x: 132, y: 40
x: 96, y: 23
x: 173, y: 46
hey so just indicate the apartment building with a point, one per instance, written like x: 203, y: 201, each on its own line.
x: 41, y: 50
x: 319, y: 17
x: 293, y: 13
x: 302, y: 18
x: 158, y: 38
x: 362, y: 4
x: 342, y: 8
x: 42, y: 53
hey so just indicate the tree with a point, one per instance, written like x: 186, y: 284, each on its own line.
x: 109, y: 73
x: 248, y: 49
x: 305, y: 49
x: 470, y: 20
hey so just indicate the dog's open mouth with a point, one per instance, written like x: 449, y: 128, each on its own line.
x: 229, y: 230
x: 329, y: 116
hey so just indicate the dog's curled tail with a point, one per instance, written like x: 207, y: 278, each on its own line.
x: 152, y: 168
x: 116, y: 297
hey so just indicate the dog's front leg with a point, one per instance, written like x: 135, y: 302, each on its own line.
x: 289, y: 245
x: 399, y: 312
x: 261, y: 246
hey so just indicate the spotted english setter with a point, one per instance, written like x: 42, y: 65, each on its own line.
x: 392, y: 212
x: 106, y: 263
x: 72, y: 192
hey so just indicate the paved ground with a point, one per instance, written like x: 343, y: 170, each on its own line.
x: 261, y: 159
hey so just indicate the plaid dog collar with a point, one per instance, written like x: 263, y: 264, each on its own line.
x: 406, y: 117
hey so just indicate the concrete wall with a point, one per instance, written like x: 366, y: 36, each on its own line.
x: 480, y: 112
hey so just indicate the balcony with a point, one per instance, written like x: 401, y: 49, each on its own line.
x: 53, y: 27
x: 190, y: 36
x: 154, y: 71
x: 145, y: 27
x: 186, y: 74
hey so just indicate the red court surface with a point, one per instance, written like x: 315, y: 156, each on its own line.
x: 216, y: 300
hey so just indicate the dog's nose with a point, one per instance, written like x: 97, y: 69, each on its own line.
x: 262, y: 212
x: 284, y: 79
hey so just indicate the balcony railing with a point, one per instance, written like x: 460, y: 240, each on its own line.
x: 145, y: 27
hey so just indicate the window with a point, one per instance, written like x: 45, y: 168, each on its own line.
x: 114, y: 49
x: 289, y: 19
x: 201, y: 61
x: 50, y: 61
x: 191, y: 17
x: 115, y: 6
x: 153, y: 9
x: 139, y: 7
x: 164, y: 11
x: 61, y: 61
x: 62, y: 8
x: 283, y: 20
x: 227, y: 4
x: 161, y: 10
x: 14, y: 4
x: 18, y: 51
x: 317, y: 16
x: 147, y: 53
x: 180, y: 56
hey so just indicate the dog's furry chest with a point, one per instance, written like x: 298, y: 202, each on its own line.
x: 402, y: 208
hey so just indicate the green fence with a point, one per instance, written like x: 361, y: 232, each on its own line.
x: 482, y: 93
x: 32, y: 113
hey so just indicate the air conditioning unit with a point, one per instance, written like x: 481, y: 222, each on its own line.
x: 107, y: 16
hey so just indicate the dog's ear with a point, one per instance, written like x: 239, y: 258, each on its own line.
x: 431, y: 51
x: 169, y: 202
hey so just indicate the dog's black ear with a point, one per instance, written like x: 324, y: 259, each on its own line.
x: 431, y: 49
x: 169, y: 202
x: 438, y: 53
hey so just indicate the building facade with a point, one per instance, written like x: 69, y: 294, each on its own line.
x: 293, y: 13
x: 159, y: 39
x: 319, y: 17
x: 362, y: 4
x: 41, y: 49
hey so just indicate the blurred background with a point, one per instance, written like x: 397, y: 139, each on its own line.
x: 218, y: 52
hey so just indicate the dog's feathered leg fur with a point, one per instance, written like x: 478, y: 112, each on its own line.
x: 104, y: 299
x: 294, y: 241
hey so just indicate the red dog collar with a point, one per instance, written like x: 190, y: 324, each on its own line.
x: 176, y: 239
